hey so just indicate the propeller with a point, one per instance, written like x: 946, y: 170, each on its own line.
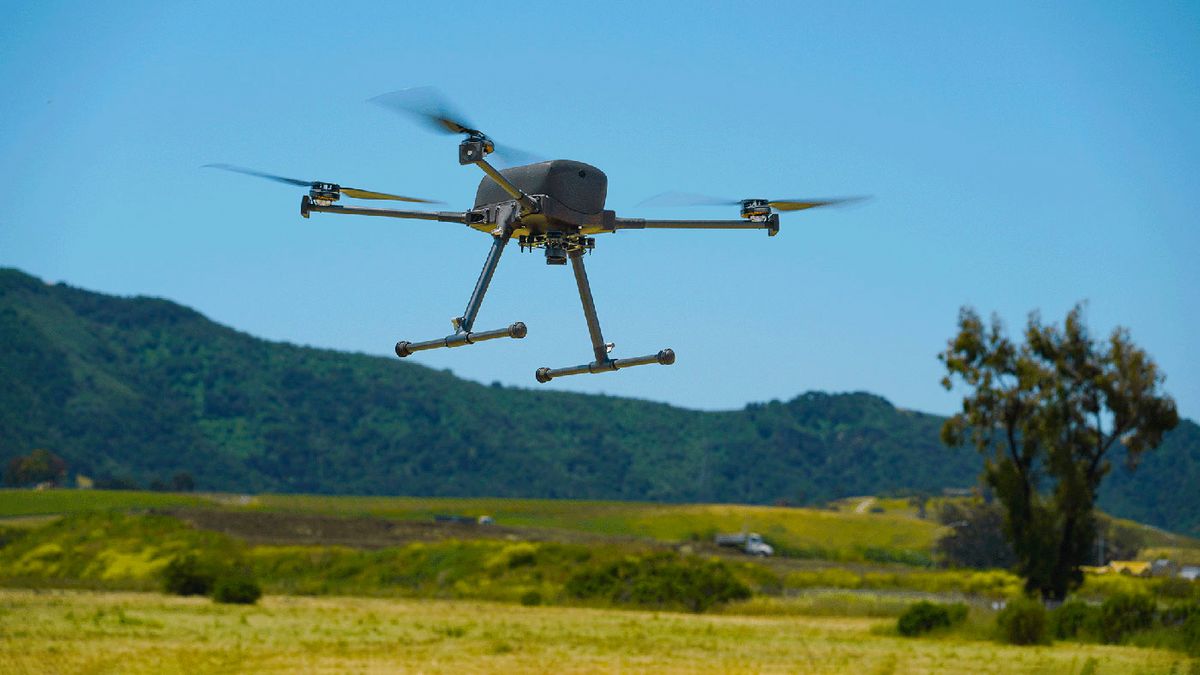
x: 348, y: 191
x: 688, y: 199
x: 431, y: 109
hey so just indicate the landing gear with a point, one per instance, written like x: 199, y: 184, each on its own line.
x: 463, y: 324
x: 601, y: 349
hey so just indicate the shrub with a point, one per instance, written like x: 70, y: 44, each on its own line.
x: 1074, y: 619
x: 660, y: 580
x: 1191, y: 634
x: 236, y: 590
x: 531, y: 598
x: 187, y: 575
x: 1123, y: 614
x: 1023, y: 622
x: 922, y: 617
x: 1176, y: 588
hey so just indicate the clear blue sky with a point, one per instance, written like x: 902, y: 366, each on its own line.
x: 1020, y: 157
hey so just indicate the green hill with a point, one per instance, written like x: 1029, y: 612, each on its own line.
x: 141, y: 388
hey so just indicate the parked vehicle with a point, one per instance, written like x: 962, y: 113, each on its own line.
x: 751, y: 543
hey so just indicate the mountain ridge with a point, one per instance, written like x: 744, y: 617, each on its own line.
x: 141, y: 387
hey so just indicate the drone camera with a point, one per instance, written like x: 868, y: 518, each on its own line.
x: 556, y: 251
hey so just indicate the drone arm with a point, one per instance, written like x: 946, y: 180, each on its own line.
x: 527, y: 205
x: 771, y: 224
x: 307, y: 205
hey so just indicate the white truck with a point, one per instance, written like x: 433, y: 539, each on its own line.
x: 751, y: 543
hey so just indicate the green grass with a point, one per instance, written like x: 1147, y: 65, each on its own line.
x: 809, y: 532
x: 18, y: 503
x: 151, y: 633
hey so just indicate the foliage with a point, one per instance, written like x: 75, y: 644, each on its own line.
x: 39, y: 466
x: 236, y: 589
x: 923, y: 617
x: 1023, y: 622
x: 186, y: 575
x: 1045, y: 414
x: 974, y: 535
x: 137, y: 389
x: 1123, y: 614
x: 1177, y: 588
x: 1191, y: 634
x: 110, y: 550
x: 660, y: 580
x: 1075, y: 619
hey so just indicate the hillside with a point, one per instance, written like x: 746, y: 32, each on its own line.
x: 141, y: 388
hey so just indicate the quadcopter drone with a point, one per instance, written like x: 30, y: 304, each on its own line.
x: 555, y: 206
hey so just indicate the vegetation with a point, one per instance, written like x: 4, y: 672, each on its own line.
x: 132, y: 392
x: 151, y: 633
x: 40, y: 466
x: 1124, y: 614
x: 923, y: 617
x: 1075, y: 619
x: 186, y: 575
x: 236, y: 589
x: 662, y: 581
x: 1023, y: 622
x: 974, y: 535
x: 1045, y: 415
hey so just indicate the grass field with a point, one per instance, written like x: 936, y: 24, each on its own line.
x: 812, y: 533
x: 74, y: 631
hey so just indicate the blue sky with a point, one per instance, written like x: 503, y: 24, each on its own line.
x: 1020, y: 157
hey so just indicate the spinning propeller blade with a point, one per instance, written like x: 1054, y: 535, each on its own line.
x: 260, y: 174
x: 348, y: 191
x: 431, y: 109
x: 689, y: 199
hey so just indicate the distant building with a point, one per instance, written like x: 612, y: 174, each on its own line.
x: 1190, y: 572
x: 1135, y: 568
x: 1164, y: 568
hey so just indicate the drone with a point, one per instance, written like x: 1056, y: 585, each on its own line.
x: 554, y: 206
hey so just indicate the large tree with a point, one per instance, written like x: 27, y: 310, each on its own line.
x: 1048, y: 415
x: 37, y: 467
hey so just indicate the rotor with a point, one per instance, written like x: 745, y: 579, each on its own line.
x: 431, y: 109
x: 322, y: 192
x: 751, y: 209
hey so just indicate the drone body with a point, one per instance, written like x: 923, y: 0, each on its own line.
x: 552, y: 205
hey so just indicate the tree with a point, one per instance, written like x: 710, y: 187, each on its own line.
x: 39, y: 466
x: 1046, y: 415
x: 974, y: 535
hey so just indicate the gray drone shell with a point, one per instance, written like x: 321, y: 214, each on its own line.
x: 578, y: 186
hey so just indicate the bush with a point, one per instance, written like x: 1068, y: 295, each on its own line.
x: 531, y: 598
x: 661, y: 580
x: 1176, y: 588
x: 1191, y: 634
x: 1023, y: 622
x: 1074, y: 619
x: 1123, y: 614
x: 187, y: 575
x: 923, y: 617
x: 236, y: 590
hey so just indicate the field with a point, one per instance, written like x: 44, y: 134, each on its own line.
x: 807, y: 533
x: 75, y: 631
x: 383, y: 583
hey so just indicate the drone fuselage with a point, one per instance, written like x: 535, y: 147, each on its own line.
x: 569, y: 195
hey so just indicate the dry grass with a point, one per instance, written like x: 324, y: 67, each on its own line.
x: 72, y: 631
